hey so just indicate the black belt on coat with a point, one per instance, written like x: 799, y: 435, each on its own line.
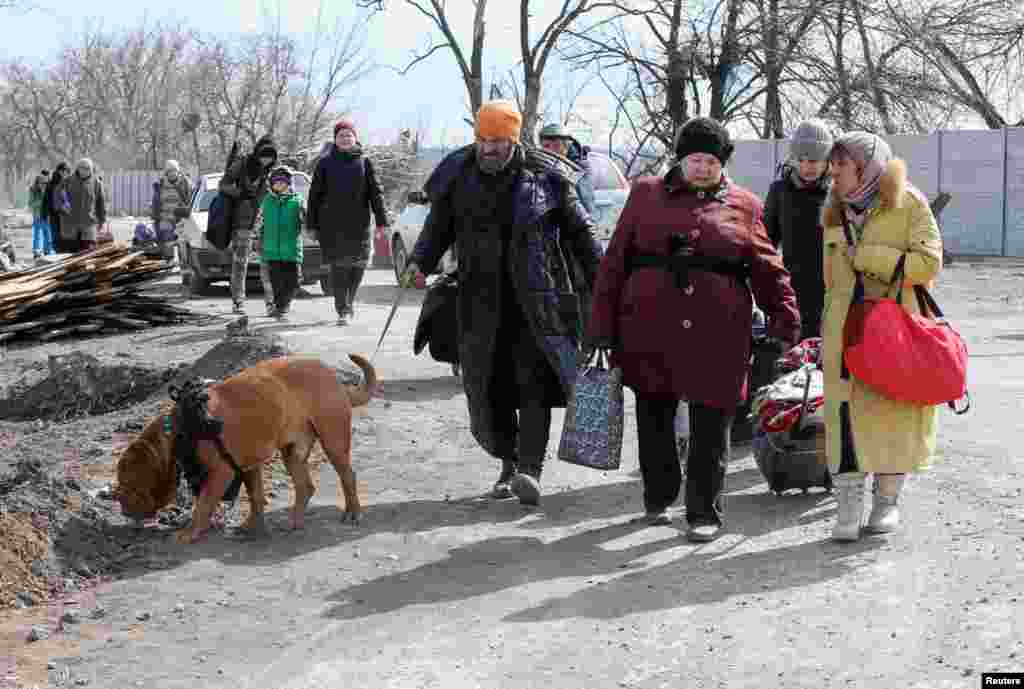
x: 680, y: 264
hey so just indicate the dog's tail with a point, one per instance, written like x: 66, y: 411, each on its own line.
x: 361, y: 394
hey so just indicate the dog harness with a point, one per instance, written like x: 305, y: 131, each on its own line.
x: 194, y: 423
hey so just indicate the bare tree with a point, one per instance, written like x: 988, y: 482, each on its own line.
x: 15, y: 156
x: 122, y: 96
x: 973, y: 48
x: 784, y: 26
x: 833, y: 76
x: 688, y: 58
x: 335, y: 60
x: 44, y: 106
x: 874, y: 76
x: 537, y: 54
x: 471, y: 68
x: 562, y: 94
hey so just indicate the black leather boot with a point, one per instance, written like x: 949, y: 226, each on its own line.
x: 502, y: 488
x: 526, y: 483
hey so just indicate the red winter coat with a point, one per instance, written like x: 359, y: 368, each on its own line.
x: 690, y: 344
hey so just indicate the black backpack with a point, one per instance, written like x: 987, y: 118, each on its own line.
x: 220, y: 219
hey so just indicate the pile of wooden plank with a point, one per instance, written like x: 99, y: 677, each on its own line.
x: 89, y: 292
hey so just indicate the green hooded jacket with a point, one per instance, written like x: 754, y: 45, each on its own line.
x: 283, y: 216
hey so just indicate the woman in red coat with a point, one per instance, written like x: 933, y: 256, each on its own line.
x: 672, y: 301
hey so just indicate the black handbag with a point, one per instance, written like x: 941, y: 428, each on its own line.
x: 438, y: 322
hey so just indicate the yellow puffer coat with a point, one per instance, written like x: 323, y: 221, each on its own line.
x: 888, y: 436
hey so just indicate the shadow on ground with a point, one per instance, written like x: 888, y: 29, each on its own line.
x: 324, y: 528
x: 695, y: 574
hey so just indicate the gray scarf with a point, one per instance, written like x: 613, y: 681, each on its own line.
x: 871, y: 154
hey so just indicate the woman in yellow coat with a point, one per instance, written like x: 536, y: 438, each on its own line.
x: 865, y: 432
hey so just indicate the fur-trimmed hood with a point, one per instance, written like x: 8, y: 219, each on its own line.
x: 892, y: 191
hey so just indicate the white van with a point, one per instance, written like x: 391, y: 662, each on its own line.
x: 203, y: 264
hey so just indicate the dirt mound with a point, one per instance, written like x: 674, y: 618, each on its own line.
x: 54, y: 540
x: 78, y: 384
x: 230, y: 356
x: 24, y: 544
x: 61, y: 529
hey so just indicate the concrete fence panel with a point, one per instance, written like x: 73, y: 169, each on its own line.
x: 921, y: 153
x: 1013, y: 216
x: 130, y: 192
x: 983, y: 170
x: 972, y: 171
x: 753, y: 165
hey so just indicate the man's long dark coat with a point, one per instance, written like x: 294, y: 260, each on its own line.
x: 551, y: 254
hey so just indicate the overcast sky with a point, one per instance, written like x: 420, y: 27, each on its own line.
x: 433, y: 92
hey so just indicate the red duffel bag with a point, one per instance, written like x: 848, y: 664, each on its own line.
x: 918, y: 359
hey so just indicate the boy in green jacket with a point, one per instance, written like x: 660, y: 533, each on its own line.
x: 283, y: 214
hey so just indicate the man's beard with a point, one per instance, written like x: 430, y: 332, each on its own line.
x: 492, y: 165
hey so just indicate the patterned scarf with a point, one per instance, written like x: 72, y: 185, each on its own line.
x: 871, y: 155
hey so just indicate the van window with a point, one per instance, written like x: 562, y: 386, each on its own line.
x: 414, y: 214
x: 203, y: 201
x: 605, y: 173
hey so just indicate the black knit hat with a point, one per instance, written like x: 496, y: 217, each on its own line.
x: 703, y: 135
x: 265, y: 147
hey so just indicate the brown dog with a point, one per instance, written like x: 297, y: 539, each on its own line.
x: 285, y: 404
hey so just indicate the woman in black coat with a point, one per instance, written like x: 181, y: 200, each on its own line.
x: 792, y: 216
x: 343, y: 193
x: 51, y: 206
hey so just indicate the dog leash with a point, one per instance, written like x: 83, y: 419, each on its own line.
x: 387, y: 324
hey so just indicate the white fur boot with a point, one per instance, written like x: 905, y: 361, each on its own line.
x: 885, y: 514
x: 849, y: 489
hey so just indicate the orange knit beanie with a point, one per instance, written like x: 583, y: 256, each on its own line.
x: 499, y: 119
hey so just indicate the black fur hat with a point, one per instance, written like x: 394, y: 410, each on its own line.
x: 703, y: 135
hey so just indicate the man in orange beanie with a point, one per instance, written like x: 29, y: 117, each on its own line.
x: 520, y: 298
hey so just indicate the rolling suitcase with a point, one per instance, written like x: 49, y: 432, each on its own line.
x: 794, y: 457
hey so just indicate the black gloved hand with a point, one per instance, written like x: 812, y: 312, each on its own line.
x: 591, y: 345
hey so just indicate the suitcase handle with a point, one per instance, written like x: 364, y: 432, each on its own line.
x: 798, y: 426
